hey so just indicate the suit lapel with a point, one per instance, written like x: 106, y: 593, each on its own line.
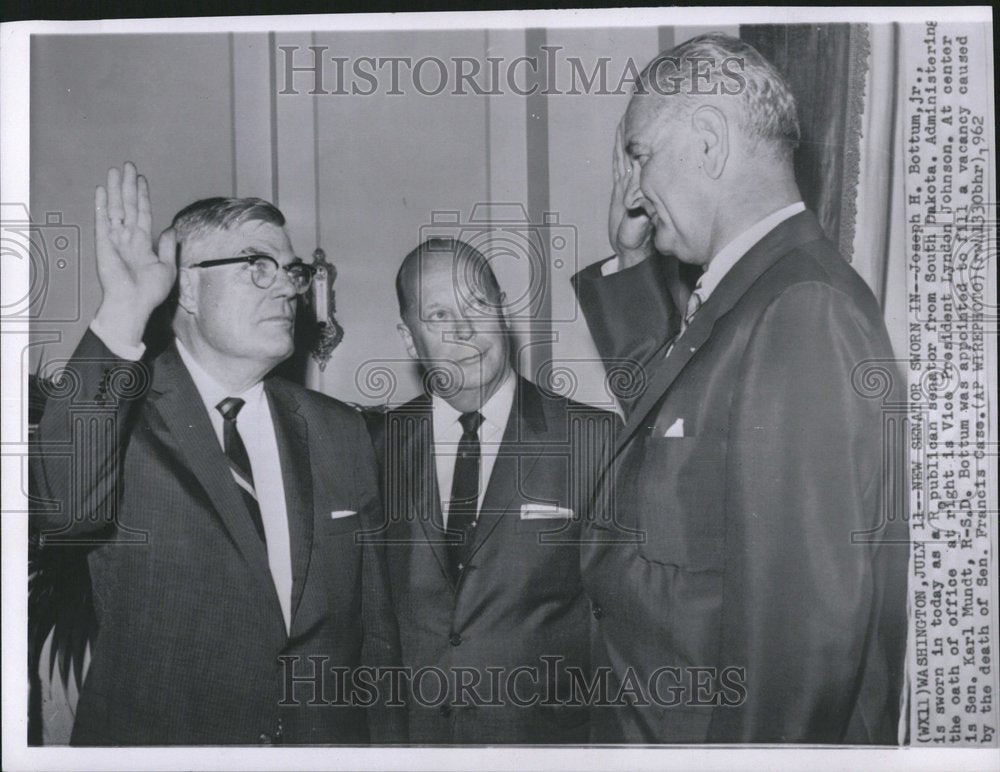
x: 180, y: 405
x: 791, y: 233
x: 516, y: 458
x: 417, y: 470
x: 291, y: 431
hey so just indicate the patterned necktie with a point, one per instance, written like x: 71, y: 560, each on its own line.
x: 239, y: 461
x: 464, y: 494
x: 693, y: 304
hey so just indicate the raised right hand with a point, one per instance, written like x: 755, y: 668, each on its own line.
x: 135, y: 279
x: 629, y: 229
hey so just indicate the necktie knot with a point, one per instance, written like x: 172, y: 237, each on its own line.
x: 471, y: 421
x: 230, y: 407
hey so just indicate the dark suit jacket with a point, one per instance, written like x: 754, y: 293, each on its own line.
x: 760, y: 539
x: 192, y: 647
x: 520, y: 598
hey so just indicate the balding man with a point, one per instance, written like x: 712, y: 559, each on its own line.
x: 766, y: 582
x: 484, y: 479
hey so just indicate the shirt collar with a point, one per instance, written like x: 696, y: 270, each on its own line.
x: 211, y: 391
x: 730, y: 254
x: 495, y: 412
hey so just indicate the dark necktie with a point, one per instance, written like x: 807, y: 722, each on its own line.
x: 239, y: 461
x: 464, y: 494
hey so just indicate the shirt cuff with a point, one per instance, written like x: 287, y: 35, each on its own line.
x: 611, y: 265
x: 119, y: 349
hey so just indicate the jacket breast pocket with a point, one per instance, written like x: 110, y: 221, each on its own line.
x: 547, y: 523
x: 680, y: 497
x: 338, y: 523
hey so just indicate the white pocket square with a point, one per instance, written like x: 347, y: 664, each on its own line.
x: 542, y: 511
x: 336, y: 515
x: 676, y: 429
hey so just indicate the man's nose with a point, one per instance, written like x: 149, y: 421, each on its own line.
x: 464, y: 330
x: 633, y: 194
x: 283, y: 286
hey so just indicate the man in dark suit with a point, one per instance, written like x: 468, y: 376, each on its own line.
x: 483, y: 480
x: 220, y: 504
x: 750, y: 560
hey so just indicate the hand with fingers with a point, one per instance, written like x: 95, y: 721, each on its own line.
x: 629, y: 230
x: 134, y: 277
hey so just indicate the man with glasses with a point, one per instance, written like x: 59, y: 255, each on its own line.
x: 221, y: 504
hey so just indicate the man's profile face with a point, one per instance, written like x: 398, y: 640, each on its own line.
x: 233, y: 316
x: 455, y: 323
x: 666, y: 180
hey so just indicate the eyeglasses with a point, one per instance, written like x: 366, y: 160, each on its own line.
x: 264, y: 270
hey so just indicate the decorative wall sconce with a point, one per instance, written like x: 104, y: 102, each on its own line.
x: 329, y: 333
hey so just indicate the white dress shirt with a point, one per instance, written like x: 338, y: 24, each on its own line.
x: 448, y: 433
x: 256, y: 428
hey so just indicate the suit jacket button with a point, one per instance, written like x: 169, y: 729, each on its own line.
x: 265, y: 738
x: 455, y: 639
x: 596, y: 610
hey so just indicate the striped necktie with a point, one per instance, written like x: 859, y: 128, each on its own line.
x: 239, y: 461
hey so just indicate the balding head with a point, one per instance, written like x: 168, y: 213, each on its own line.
x: 469, y: 269
x: 452, y: 321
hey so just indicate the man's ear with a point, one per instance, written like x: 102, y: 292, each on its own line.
x: 712, y: 131
x: 187, y: 291
x: 407, y: 336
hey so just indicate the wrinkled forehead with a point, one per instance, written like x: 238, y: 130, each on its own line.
x: 243, y: 238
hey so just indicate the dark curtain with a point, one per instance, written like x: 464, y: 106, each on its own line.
x: 825, y: 66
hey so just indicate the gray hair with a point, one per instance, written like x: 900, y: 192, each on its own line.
x: 715, y: 65
x: 221, y: 214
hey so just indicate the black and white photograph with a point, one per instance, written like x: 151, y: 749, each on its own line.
x: 575, y: 389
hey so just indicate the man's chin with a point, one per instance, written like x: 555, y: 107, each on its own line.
x: 279, y: 350
x: 664, y: 245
